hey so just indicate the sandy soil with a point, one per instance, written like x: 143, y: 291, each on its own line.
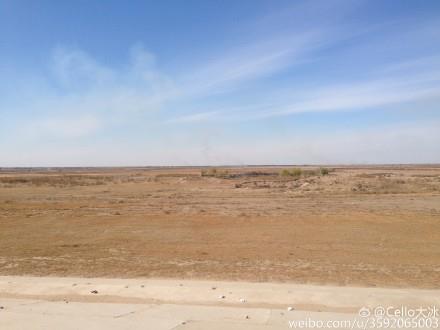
x: 368, y: 226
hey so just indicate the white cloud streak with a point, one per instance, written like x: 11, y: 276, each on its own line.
x: 360, y: 95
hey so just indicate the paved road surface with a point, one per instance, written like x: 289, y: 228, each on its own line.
x: 69, y: 303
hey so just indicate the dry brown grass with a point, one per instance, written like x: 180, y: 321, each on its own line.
x: 251, y: 225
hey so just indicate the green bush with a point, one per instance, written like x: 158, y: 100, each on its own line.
x: 324, y: 171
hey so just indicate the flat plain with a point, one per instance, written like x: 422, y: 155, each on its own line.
x: 356, y: 225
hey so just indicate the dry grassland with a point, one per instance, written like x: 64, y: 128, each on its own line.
x: 373, y: 226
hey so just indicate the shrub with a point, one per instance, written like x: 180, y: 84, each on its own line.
x: 285, y: 172
x: 214, y: 173
x: 295, y: 172
x: 324, y: 171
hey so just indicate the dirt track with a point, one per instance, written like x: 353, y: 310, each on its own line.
x: 374, y: 226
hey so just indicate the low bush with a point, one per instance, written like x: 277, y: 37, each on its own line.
x: 294, y: 172
x: 213, y: 172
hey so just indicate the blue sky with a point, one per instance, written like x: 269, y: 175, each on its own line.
x: 92, y: 83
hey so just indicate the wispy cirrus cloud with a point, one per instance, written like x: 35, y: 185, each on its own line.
x: 355, y: 96
x: 76, y: 84
x: 196, y: 117
x: 234, y: 68
x: 361, y: 95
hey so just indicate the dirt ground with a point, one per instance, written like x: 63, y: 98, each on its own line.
x: 368, y: 226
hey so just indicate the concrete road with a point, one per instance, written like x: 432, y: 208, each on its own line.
x: 78, y: 303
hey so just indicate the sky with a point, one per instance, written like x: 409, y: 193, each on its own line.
x: 148, y: 83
